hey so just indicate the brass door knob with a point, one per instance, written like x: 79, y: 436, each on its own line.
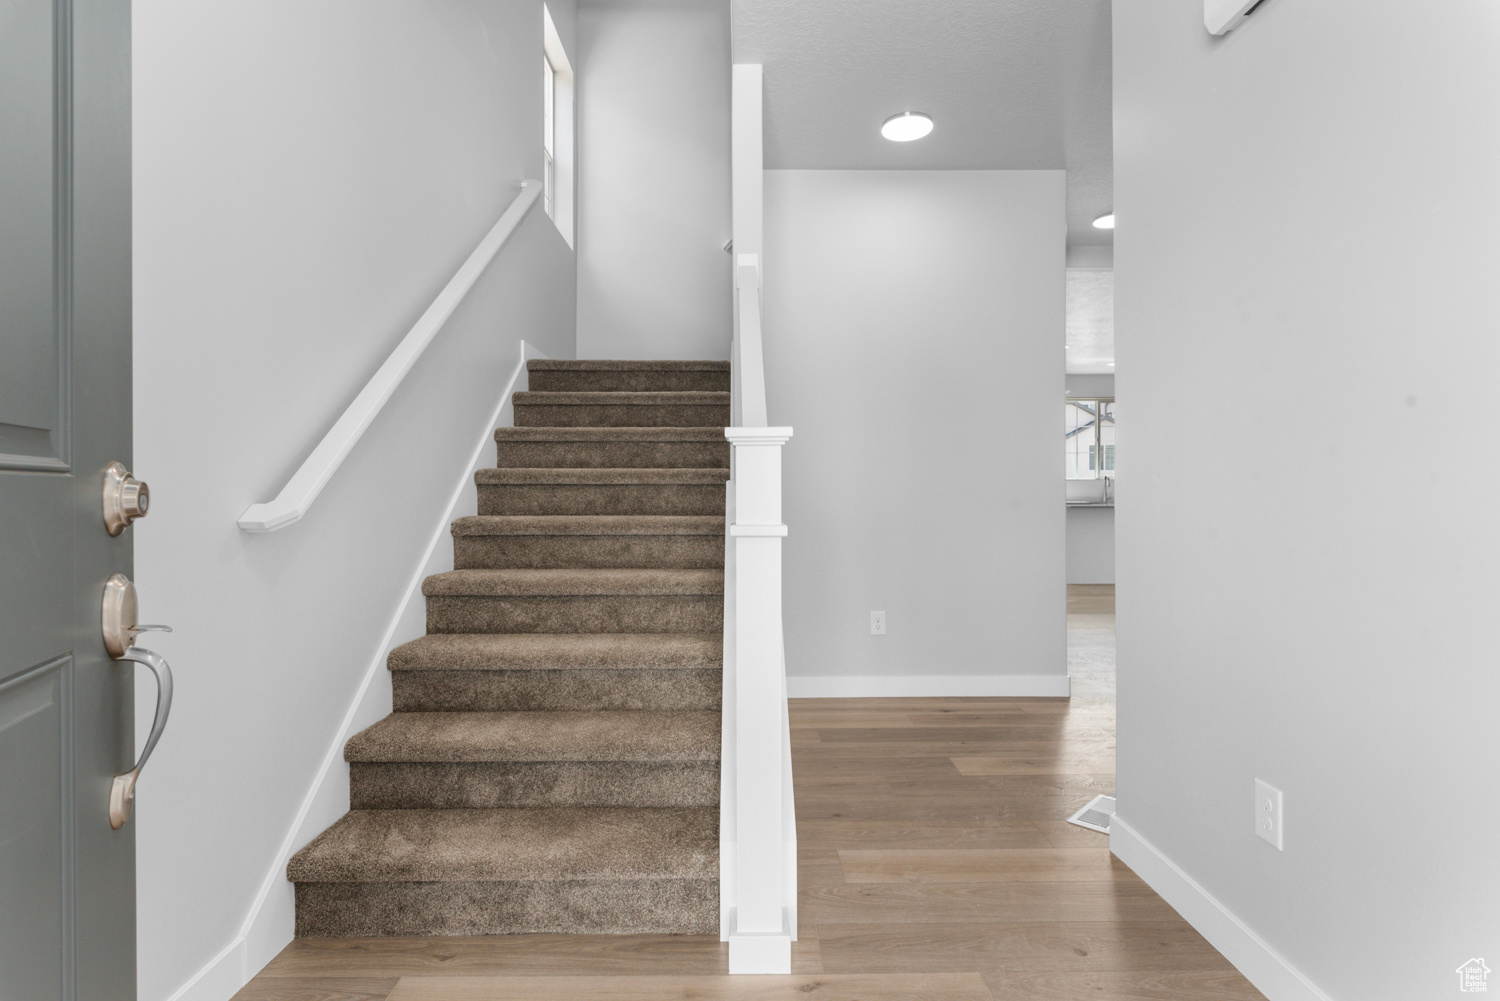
x: 125, y: 498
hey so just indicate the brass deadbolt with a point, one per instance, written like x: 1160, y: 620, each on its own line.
x: 125, y: 498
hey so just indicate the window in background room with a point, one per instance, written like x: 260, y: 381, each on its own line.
x: 1089, y: 437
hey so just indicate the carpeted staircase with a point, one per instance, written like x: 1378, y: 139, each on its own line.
x: 553, y: 761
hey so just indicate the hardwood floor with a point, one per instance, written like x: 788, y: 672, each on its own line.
x: 936, y: 864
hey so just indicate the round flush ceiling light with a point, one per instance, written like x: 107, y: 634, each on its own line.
x: 1106, y: 221
x: 905, y: 127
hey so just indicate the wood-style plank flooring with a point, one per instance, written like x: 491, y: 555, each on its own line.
x: 935, y: 864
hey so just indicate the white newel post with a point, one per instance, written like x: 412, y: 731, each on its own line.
x: 760, y: 934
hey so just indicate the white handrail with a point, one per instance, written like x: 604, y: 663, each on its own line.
x: 748, y: 358
x: 318, y: 468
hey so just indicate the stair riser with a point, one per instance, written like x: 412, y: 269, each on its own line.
x: 564, y: 381
x: 641, y: 415
x: 501, y: 691
x: 602, y: 498
x: 575, y: 614
x: 494, y: 785
x: 633, y: 907
x: 572, y: 552
x: 612, y: 454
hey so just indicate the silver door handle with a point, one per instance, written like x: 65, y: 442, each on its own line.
x: 122, y: 791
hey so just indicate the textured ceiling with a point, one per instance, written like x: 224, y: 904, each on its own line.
x: 1010, y: 84
x: 1090, y: 321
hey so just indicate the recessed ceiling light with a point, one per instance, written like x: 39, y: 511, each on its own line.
x: 1106, y: 221
x: 905, y: 127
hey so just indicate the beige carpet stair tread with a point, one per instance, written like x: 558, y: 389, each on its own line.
x: 559, y: 652
x: 590, y: 524
x: 586, y: 476
x: 603, y: 434
x: 619, y: 398
x: 622, y: 365
x: 635, y: 736
x: 552, y: 763
x: 563, y: 843
x: 529, y: 583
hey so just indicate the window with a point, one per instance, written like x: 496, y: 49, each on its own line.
x: 549, y: 134
x: 1089, y: 437
x: 557, y: 129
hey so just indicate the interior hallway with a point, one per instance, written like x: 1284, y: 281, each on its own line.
x: 935, y: 863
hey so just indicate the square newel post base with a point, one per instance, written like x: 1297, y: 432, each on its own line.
x: 760, y: 952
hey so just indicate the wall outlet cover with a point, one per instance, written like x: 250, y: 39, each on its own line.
x: 877, y: 623
x: 1269, y: 824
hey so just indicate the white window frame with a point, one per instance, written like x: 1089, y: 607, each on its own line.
x: 558, y: 131
x: 549, y: 132
x: 1098, y: 453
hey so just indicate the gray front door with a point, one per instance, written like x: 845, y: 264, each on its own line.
x: 67, y: 881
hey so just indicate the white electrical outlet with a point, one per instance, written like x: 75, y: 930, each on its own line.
x: 1268, y: 819
x: 877, y: 623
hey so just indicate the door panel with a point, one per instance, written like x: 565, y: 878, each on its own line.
x: 33, y: 255
x: 33, y: 740
x: 67, y: 881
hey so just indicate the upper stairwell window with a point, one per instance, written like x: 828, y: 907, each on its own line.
x: 557, y: 129
x: 549, y: 132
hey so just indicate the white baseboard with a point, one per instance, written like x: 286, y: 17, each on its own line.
x: 1262, y: 965
x: 224, y: 975
x: 877, y: 686
x: 268, y: 925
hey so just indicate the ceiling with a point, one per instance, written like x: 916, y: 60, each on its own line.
x: 1010, y: 84
x: 1090, y: 322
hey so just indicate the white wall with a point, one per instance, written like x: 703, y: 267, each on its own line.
x: 653, y: 179
x: 1307, y: 210
x: 914, y: 341
x: 307, y: 177
x: 1102, y: 258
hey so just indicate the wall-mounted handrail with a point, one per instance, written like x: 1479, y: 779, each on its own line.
x: 318, y: 468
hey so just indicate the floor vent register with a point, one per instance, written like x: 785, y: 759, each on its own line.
x: 1096, y: 815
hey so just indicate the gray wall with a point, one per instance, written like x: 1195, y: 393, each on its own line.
x: 914, y: 341
x: 1091, y: 545
x: 1090, y: 385
x: 307, y: 177
x: 653, y: 179
x: 1307, y: 586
